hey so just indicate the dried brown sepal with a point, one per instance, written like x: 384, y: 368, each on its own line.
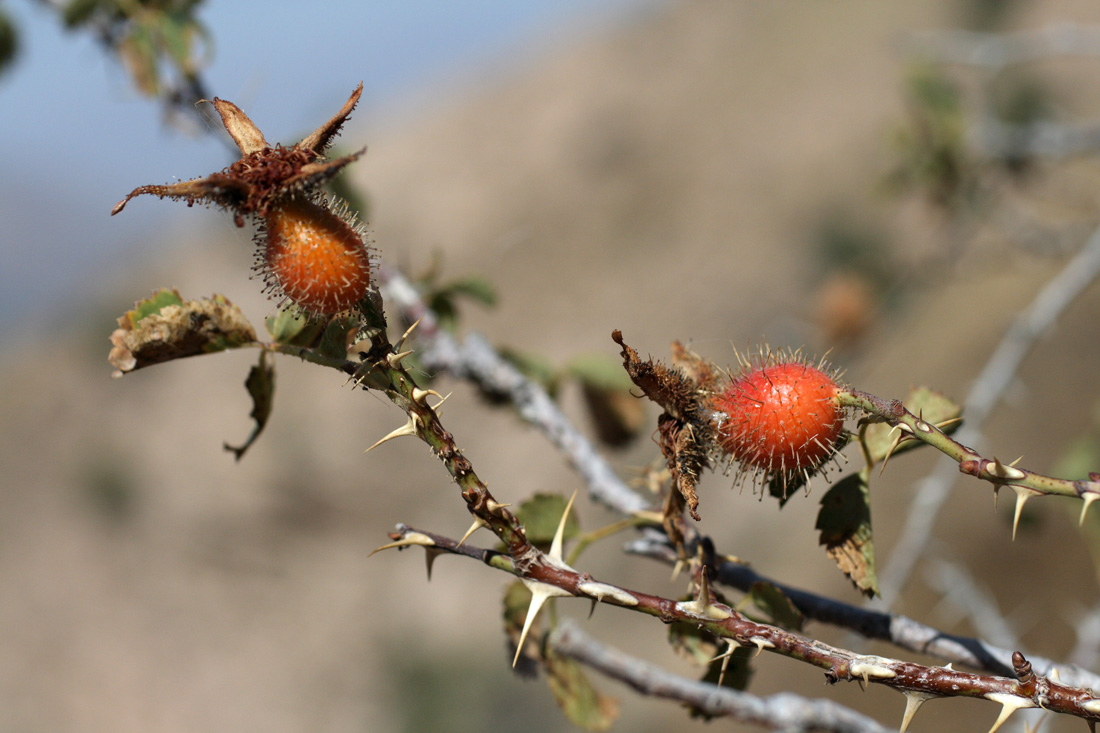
x: 177, y: 330
x: 684, y: 430
x: 264, y: 175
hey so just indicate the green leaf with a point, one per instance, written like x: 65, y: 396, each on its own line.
x: 153, y: 304
x: 582, y: 704
x: 535, y: 367
x: 933, y: 407
x: 540, y: 516
x: 474, y: 287
x: 775, y: 603
x: 165, y: 327
x: 290, y: 326
x: 334, y: 342
x: 845, y: 524
x: 261, y: 387
x: 599, y: 370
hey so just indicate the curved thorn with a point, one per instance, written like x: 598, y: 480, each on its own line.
x: 412, y: 538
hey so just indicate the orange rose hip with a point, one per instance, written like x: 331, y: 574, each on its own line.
x: 314, y: 257
x: 781, y: 419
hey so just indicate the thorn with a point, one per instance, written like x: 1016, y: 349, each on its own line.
x: 412, y: 538
x: 731, y: 647
x: 1009, y: 705
x: 761, y: 645
x: 1087, y: 500
x: 408, y: 332
x: 996, y: 496
x: 592, y: 610
x: 677, y: 569
x: 948, y: 666
x: 478, y: 524
x: 555, y: 546
x: 890, y: 451
x: 439, y: 404
x: 1013, y: 464
x: 394, y: 360
x: 1022, y: 495
x: 430, y: 554
x: 409, y: 428
x: 952, y: 421
x: 494, y: 506
x: 540, y: 593
x: 420, y: 396
x: 913, y: 701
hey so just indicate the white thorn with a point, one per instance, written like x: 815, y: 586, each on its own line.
x: 731, y: 646
x: 394, y: 360
x: 540, y: 593
x: 556, y: 545
x: 761, y: 644
x: 409, y: 428
x: 676, y: 569
x: 412, y: 538
x: 1000, y: 470
x: 1022, y: 495
x: 408, y: 332
x: 913, y: 701
x: 1009, y: 705
x: 1087, y: 500
x: 420, y: 396
x: 478, y: 524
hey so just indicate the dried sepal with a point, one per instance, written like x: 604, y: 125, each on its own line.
x: 265, y: 175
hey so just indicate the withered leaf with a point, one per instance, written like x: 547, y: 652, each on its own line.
x: 261, y: 387
x: 845, y: 524
x: 165, y: 327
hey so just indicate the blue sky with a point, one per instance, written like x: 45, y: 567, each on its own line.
x: 77, y: 136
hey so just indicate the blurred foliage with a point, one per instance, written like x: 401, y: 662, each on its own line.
x: 932, y: 146
x: 445, y: 296
x: 147, y: 35
x: 9, y: 41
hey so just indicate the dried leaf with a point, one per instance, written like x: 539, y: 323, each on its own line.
x: 933, y: 408
x: 166, y: 327
x: 261, y: 387
x: 845, y: 524
x: 582, y: 704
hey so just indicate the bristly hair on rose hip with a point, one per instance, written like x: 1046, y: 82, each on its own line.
x: 778, y: 420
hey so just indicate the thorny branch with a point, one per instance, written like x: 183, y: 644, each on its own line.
x: 901, y: 631
x: 476, y: 360
x: 996, y: 376
x: 1025, y: 690
x: 784, y: 711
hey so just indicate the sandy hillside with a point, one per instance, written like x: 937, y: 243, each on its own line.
x: 672, y: 179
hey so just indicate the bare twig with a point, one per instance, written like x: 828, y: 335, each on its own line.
x: 784, y: 712
x: 995, y: 51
